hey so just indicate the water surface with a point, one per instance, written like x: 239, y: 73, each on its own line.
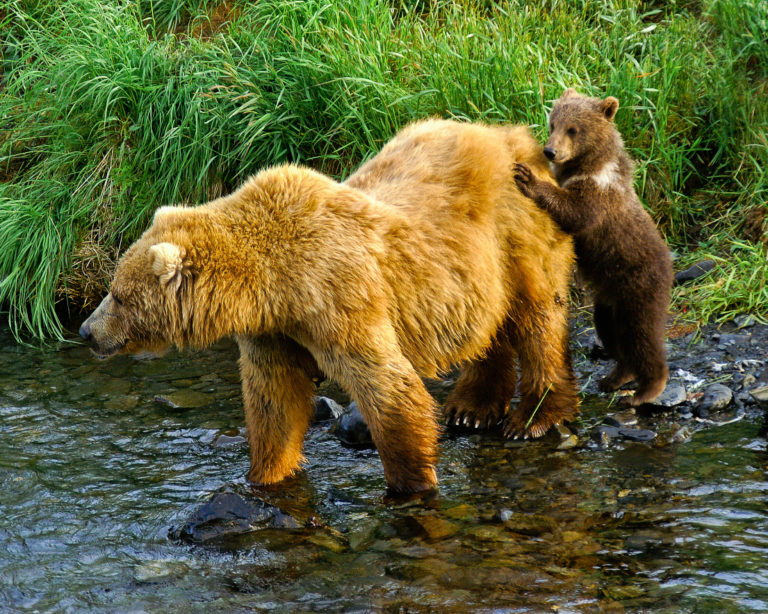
x: 94, y: 473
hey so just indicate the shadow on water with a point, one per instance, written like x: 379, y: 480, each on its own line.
x: 95, y: 474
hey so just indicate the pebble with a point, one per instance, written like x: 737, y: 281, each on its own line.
x: 694, y: 272
x: 760, y: 395
x: 184, y: 399
x: 745, y: 320
x: 566, y: 438
x: 715, y: 397
x: 351, y: 429
x: 603, y: 434
x: 673, y: 395
x: 326, y: 409
x: 622, y: 418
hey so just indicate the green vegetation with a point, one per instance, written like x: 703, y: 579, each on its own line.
x: 109, y: 109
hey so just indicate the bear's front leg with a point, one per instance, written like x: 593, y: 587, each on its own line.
x: 277, y: 394
x: 400, y: 413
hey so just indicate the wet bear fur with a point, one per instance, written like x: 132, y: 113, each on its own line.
x: 426, y: 257
x: 618, y: 248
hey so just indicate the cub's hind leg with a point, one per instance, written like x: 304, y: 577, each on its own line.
x: 485, y: 387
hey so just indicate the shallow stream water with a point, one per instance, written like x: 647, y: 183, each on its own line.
x: 95, y: 473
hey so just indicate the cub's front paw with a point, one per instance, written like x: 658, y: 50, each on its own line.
x: 525, y: 180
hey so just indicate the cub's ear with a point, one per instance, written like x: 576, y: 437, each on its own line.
x: 608, y: 107
x: 167, y: 263
x: 569, y: 93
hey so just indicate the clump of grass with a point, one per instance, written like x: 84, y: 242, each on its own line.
x: 110, y: 109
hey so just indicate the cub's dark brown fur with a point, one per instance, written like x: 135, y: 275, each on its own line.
x: 618, y: 247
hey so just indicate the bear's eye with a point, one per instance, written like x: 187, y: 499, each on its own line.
x: 572, y: 131
x: 551, y: 126
x: 117, y: 300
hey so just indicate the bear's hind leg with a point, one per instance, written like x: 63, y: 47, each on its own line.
x: 484, y: 388
x: 641, y: 347
x: 547, y: 383
x: 277, y: 394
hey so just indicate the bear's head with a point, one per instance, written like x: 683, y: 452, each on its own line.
x: 149, y: 302
x: 580, y: 126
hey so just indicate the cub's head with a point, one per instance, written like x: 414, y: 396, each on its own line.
x: 580, y: 126
x: 148, y: 305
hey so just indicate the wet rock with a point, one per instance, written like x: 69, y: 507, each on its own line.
x: 728, y: 339
x: 760, y: 395
x: 436, y: 528
x: 637, y: 434
x: 694, y: 272
x: 603, y: 434
x: 531, y: 524
x: 352, y: 430
x: 680, y: 435
x: 622, y: 418
x: 503, y: 515
x: 184, y: 399
x: 745, y: 320
x: 565, y: 437
x: 715, y: 397
x: 228, y: 514
x: 225, y: 441
x: 326, y: 409
x: 159, y: 571
x: 673, y: 395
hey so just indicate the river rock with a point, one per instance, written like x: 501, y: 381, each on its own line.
x: 760, y: 395
x: 673, y: 395
x: 637, y: 434
x: 744, y: 320
x: 351, y: 429
x: 694, y: 272
x: 603, y: 434
x: 326, y: 409
x: 159, y: 571
x: 184, y: 399
x: 715, y: 397
x: 228, y: 514
x: 564, y: 437
x: 622, y: 418
x: 225, y: 441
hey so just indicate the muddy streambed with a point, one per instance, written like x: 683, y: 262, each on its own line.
x: 97, y: 475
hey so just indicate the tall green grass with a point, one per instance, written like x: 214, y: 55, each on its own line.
x: 110, y: 109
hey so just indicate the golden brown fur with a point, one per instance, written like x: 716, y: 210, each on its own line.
x: 427, y: 256
x: 619, y: 250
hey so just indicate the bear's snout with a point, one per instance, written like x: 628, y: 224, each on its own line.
x: 550, y: 153
x: 85, y: 331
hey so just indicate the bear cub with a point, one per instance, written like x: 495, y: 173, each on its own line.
x: 618, y: 248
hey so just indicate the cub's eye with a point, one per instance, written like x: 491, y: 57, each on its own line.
x: 551, y: 126
x: 572, y: 131
x: 117, y: 300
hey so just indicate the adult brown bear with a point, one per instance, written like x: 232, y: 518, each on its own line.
x: 426, y: 257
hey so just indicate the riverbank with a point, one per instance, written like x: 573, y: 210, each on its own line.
x: 109, y: 110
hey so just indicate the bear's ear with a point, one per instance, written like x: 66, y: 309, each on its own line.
x: 569, y: 93
x: 167, y: 263
x: 608, y: 107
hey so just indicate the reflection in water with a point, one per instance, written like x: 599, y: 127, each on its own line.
x: 94, y: 473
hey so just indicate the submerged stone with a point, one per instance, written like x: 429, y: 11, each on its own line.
x: 622, y: 418
x: 228, y: 514
x: 184, y: 399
